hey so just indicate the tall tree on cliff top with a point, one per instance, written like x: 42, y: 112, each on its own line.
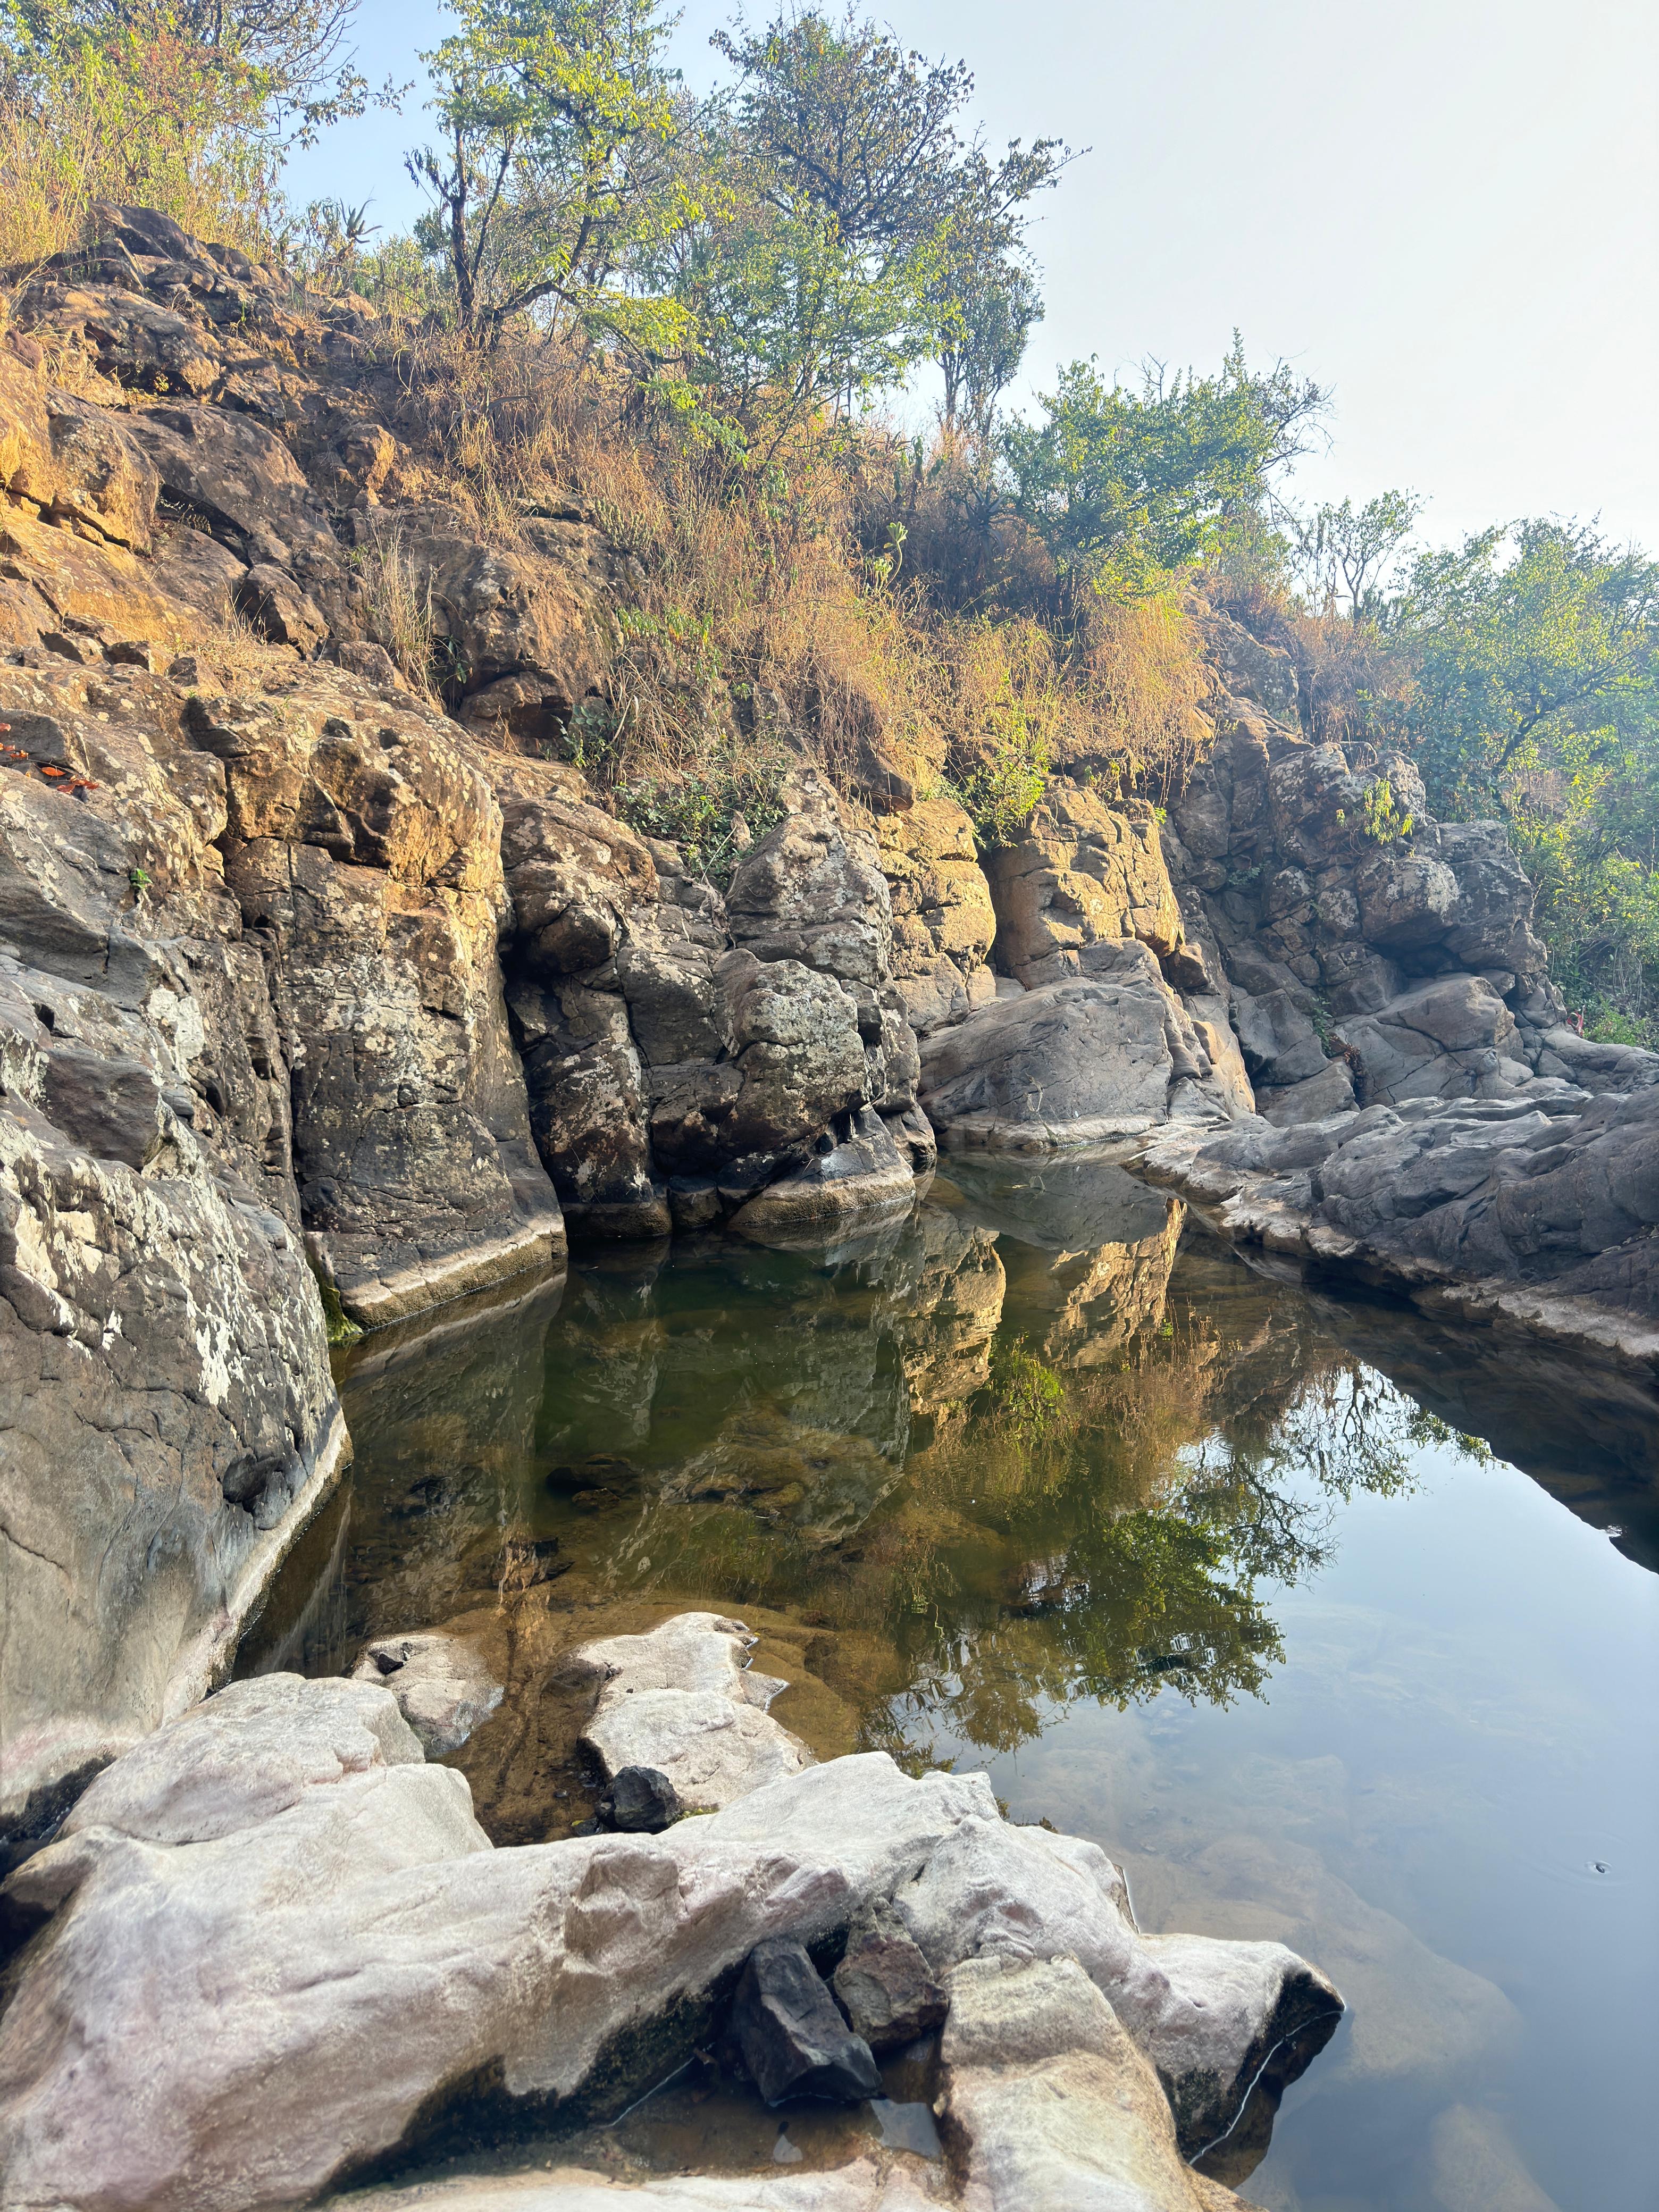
x: 553, y: 176
x: 852, y: 217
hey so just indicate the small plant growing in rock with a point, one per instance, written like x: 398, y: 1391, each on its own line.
x: 1383, y: 820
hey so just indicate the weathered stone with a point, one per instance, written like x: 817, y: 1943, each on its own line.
x: 1280, y: 1043
x: 681, y: 1700
x: 794, y: 2042
x: 1205, y: 2012
x: 641, y: 1801
x: 1072, y: 1062
x: 1048, y: 2103
x: 443, y: 1689
x: 1083, y: 872
x: 943, y: 918
x: 883, y: 1983
x: 287, y: 1822
x: 813, y: 891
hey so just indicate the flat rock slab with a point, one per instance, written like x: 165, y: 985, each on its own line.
x: 682, y: 1701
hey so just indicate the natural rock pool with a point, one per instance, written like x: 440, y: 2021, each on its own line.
x: 1330, y: 1625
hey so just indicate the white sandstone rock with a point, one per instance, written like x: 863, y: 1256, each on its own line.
x: 682, y: 1700
x: 1048, y: 2104
x: 1205, y: 2012
x: 443, y: 1689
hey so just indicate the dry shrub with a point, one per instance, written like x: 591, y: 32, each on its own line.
x: 399, y: 606
x: 151, y: 118
x: 759, y: 615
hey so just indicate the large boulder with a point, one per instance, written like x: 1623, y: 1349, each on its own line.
x: 1105, y: 1054
x: 201, y: 1880
x: 172, y: 1418
x: 1048, y: 2101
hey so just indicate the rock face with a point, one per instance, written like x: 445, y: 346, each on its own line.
x: 1084, y: 873
x: 692, y: 1059
x: 172, y: 1419
x: 201, y: 1877
x: 1328, y: 891
x: 1076, y: 1062
x: 943, y: 917
x: 1539, y: 1207
x: 364, y: 846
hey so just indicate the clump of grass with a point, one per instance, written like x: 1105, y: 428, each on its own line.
x: 399, y: 613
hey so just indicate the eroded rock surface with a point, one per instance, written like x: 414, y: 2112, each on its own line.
x: 683, y: 1701
x: 202, y: 1878
x: 1540, y: 1207
x: 1103, y: 1055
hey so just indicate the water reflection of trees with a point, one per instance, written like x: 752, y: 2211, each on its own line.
x: 991, y: 1474
x: 1096, y: 1474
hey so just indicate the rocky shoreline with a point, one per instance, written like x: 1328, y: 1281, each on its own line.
x: 327, y: 1001
x: 280, y: 1882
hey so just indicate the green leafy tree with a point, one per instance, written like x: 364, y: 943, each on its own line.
x: 1126, y: 488
x: 552, y: 178
x: 1544, y: 663
x: 848, y: 217
x: 1345, y: 555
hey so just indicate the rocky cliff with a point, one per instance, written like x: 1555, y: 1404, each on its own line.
x: 326, y: 995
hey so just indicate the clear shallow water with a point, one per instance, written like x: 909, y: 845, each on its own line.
x: 1249, y: 1585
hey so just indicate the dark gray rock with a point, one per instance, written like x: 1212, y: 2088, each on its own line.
x: 643, y: 1801
x: 793, y: 2040
x: 883, y: 1983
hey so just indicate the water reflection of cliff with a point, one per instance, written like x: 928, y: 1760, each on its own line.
x: 1028, y: 1446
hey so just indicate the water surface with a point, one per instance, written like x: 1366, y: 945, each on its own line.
x: 1329, y: 1623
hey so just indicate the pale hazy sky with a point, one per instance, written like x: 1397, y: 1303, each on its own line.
x: 1448, y: 210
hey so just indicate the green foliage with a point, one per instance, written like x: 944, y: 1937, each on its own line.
x: 132, y: 109
x: 1001, y: 786
x: 1028, y: 1395
x: 552, y: 178
x: 1381, y: 819
x: 849, y: 232
x: 1126, y: 488
x: 1344, y: 557
x: 715, y: 811
x: 1544, y: 663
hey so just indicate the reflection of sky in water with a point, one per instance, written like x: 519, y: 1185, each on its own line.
x: 999, y: 1471
x: 1459, y: 1732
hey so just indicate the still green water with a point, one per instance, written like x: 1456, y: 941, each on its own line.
x: 1329, y: 1623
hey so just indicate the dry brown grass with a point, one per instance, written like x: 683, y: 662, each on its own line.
x: 152, y: 120
x: 758, y: 610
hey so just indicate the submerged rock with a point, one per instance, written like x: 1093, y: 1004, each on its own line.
x: 794, y: 2042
